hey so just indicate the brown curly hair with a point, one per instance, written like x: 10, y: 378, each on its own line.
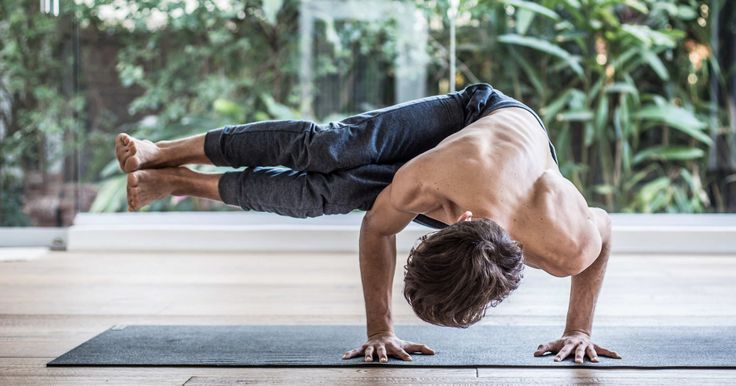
x: 455, y: 274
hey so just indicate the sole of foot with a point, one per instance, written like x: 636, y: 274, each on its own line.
x: 135, y: 154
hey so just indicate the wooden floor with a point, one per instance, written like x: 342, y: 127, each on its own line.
x: 50, y: 304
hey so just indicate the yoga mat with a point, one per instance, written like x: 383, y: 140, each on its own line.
x: 323, y: 346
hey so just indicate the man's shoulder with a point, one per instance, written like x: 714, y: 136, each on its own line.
x: 409, y: 192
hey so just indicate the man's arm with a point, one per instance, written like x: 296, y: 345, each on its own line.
x: 586, y: 285
x: 584, y: 291
x: 377, y: 265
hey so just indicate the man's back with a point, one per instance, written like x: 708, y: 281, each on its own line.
x: 500, y: 167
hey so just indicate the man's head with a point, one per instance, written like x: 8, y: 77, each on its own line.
x: 457, y: 272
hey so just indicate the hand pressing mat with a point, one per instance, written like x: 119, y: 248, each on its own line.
x: 478, y: 346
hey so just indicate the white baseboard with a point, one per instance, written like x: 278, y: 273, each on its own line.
x: 33, y: 237
x: 261, y: 232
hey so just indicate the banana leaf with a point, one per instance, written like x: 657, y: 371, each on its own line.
x: 676, y: 117
x: 534, y: 7
x: 544, y: 46
x: 669, y: 153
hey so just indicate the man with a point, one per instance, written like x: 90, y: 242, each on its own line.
x: 475, y: 159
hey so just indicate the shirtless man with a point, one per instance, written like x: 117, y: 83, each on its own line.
x: 476, y: 159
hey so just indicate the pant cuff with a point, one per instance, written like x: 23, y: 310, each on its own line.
x: 229, y: 188
x: 213, y: 147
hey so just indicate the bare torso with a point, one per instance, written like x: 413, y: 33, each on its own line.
x: 501, y: 168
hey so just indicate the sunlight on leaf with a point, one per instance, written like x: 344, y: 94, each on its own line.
x: 676, y: 117
x: 544, y: 46
x: 669, y: 153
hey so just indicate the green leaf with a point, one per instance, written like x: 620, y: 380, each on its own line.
x: 637, y: 5
x: 534, y: 7
x: 550, y: 111
x: 676, y: 117
x: 604, y: 189
x: 669, y: 153
x: 656, y: 64
x: 544, y: 46
x: 278, y: 110
x: 531, y: 73
x: 271, y: 9
x: 685, y: 12
x: 111, y: 196
x: 648, y: 36
x: 575, y: 116
x: 523, y: 20
x: 620, y: 60
x: 623, y: 88
x: 111, y: 168
x: 588, y: 134
x: 650, y: 191
x: 228, y: 108
x: 601, y: 115
x: 626, y: 156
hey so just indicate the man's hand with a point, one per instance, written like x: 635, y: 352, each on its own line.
x: 577, y: 342
x: 387, y: 344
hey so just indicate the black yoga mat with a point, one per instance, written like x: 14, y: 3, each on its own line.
x: 478, y: 346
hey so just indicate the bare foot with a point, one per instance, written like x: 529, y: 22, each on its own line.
x: 135, y: 154
x: 146, y: 186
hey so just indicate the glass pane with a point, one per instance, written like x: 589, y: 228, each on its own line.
x: 40, y: 113
x: 631, y: 94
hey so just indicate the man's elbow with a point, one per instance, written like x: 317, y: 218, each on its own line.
x: 371, y: 225
x: 603, y: 223
x: 572, y: 267
x: 586, y: 253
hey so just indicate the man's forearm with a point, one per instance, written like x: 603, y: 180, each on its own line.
x: 584, y: 292
x: 377, y: 265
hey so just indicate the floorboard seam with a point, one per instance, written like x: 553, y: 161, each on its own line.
x: 476, y: 373
x: 187, y: 381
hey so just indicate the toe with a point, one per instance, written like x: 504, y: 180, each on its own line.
x: 131, y: 148
x: 131, y: 199
x: 132, y: 181
x: 123, y: 139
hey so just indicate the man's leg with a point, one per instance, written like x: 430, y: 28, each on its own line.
x: 386, y: 136
x: 145, y: 186
x: 336, y: 167
x: 135, y: 154
x: 267, y: 189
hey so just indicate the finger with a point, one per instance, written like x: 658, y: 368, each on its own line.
x: 418, y: 348
x: 565, y: 352
x: 353, y: 353
x: 401, y: 354
x: 591, y: 353
x: 580, y: 353
x: 368, y: 354
x: 382, y: 354
x: 542, y: 349
x: 606, y: 352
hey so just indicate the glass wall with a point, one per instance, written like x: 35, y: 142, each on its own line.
x: 636, y: 95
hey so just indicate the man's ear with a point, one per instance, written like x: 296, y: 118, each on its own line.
x: 467, y: 216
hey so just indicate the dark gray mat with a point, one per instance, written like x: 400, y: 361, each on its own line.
x: 479, y: 346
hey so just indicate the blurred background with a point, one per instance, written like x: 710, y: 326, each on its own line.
x: 639, y: 96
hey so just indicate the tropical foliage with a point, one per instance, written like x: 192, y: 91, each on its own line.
x: 623, y: 86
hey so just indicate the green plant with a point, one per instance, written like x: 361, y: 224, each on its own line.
x: 36, y: 101
x: 621, y: 85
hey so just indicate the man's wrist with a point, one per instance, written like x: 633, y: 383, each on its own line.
x: 570, y: 331
x: 374, y: 334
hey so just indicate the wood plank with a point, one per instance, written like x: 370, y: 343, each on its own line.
x: 32, y: 369
x: 55, y: 302
x: 611, y: 376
